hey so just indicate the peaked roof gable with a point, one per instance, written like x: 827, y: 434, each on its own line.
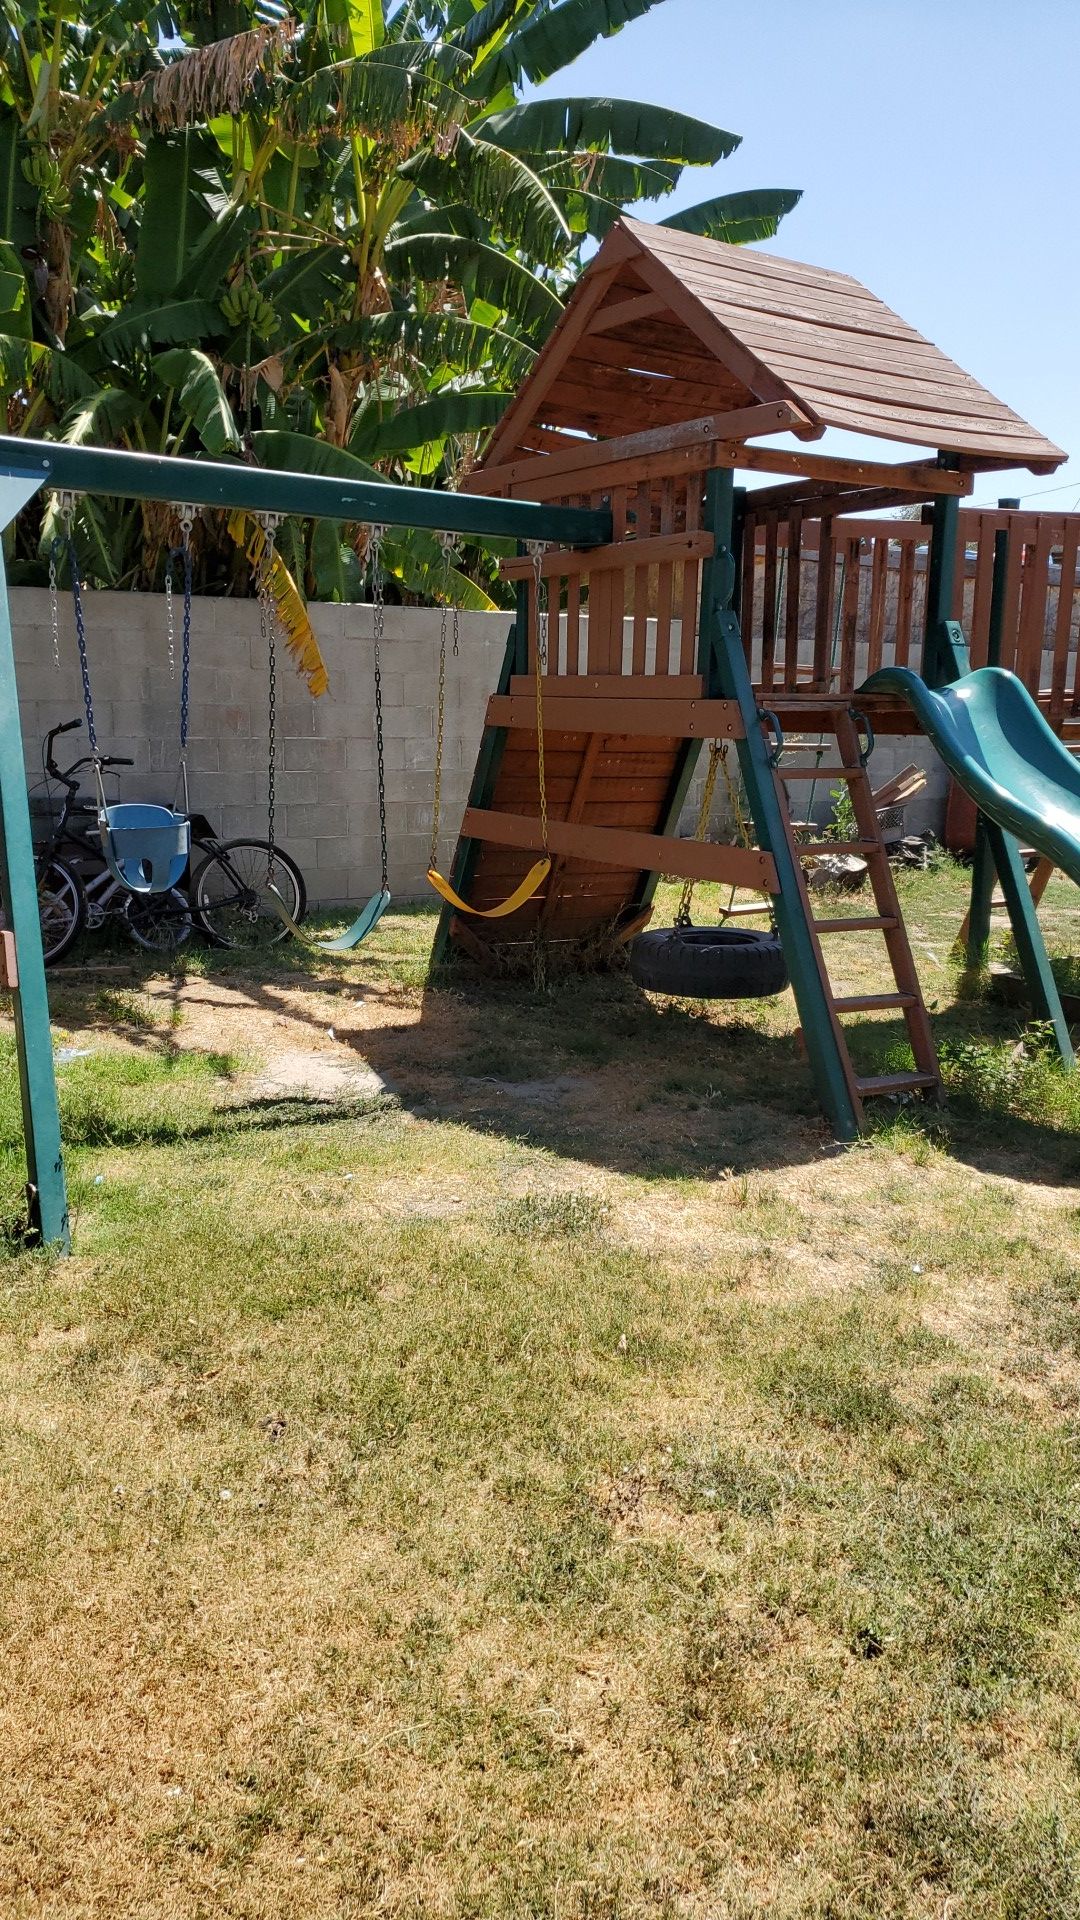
x: 665, y: 326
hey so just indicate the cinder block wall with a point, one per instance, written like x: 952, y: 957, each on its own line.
x: 326, y: 782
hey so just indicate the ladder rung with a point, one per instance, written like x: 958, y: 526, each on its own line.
x: 896, y: 1082
x: 820, y: 773
x: 859, y: 923
x: 839, y: 846
x: 869, y: 1002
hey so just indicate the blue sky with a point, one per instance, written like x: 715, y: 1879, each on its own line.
x: 937, y: 143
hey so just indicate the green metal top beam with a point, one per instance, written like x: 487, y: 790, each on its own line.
x: 217, y: 483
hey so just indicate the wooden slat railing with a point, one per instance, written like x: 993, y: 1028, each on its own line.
x: 824, y: 602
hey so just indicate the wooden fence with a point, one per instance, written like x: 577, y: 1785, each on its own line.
x: 825, y: 602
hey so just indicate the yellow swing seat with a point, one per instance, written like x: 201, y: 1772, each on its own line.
x: 531, y: 884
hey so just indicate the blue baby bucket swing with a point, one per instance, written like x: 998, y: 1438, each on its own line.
x: 145, y: 847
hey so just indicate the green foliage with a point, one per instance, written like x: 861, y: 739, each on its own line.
x: 337, y: 230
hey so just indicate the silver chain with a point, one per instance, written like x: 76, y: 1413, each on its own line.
x: 270, y: 523
x: 66, y: 504
x: 170, y: 618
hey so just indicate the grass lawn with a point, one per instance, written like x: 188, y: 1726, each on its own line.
x: 549, y: 1480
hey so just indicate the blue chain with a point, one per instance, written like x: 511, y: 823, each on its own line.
x: 80, y: 634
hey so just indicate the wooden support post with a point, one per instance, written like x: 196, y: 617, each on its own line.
x: 727, y: 678
x: 46, y: 1191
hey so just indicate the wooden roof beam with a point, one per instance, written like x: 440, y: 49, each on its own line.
x: 775, y: 416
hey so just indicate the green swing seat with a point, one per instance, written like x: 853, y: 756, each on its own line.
x: 366, y: 920
x: 146, y: 847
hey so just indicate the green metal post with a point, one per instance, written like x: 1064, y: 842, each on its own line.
x: 1027, y: 933
x: 982, y: 866
x: 728, y: 678
x: 940, y: 579
x: 46, y: 1192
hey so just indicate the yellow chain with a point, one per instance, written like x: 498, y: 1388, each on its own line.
x: 541, y: 651
x: 436, y: 803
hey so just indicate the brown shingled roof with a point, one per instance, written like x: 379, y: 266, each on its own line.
x: 665, y: 326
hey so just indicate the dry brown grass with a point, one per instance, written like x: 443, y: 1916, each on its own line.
x: 476, y: 1505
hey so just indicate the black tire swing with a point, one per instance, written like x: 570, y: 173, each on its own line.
x: 707, y: 963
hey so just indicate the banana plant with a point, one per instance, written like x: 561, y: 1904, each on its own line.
x: 337, y: 231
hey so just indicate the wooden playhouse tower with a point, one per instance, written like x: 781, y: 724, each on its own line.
x: 676, y: 361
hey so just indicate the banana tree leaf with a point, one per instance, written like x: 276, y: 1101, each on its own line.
x: 502, y: 188
x: 609, y: 177
x: 202, y: 396
x: 307, y: 281
x: 484, y: 273
x: 218, y: 249
x: 440, y: 340
x: 144, y: 325
x: 289, y: 604
x: 334, y: 566
x: 15, y: 317
x: 102, y: 418
x: 17, y: 196
x: 415, y: 557
x: 550, y: 40
x: 19, y: 360
x: 455, y: 218
x: 277, y: 447
x: 359, y: 23
x: 435, y: 419
x: 554, y: 127
x: 399, y: 87
x: 476, y: 35
x: 181, y: 176
x: 737, y: 217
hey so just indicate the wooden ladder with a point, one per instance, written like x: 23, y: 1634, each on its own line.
x: 887, y: 920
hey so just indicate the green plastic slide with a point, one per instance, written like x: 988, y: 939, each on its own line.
x: 995, y: 742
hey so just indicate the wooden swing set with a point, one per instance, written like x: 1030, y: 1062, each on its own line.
x: 677, y: 362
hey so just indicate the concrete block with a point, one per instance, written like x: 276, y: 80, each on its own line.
x: 227, y: 790
x: 408, y: 723
x: 360, y: 755
x: 318, y: 822
x: 314, y: 755
x: 329, y: 886
x: 302, y: 851
x: 420, y: 754
x: 209, y: 719
x: 300, y: 789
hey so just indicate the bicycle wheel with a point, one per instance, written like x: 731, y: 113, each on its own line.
x: 231, y: 898
x: 61, y: 909
x: 160, y: 922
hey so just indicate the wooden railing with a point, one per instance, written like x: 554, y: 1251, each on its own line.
x: 824, y: 603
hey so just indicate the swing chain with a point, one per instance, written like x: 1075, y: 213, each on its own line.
x: 446, y: 541
x: 66, y: 505
x: 379, y: 601
x: 686, y: 898
x: 270, y: 522
x: 536, y: 550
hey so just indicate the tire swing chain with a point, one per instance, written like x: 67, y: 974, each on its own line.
x: 686, y: 898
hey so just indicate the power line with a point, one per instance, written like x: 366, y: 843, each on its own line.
x: 1035, y: 494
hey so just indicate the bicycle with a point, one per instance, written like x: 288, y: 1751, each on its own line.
x: 226, y: 897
